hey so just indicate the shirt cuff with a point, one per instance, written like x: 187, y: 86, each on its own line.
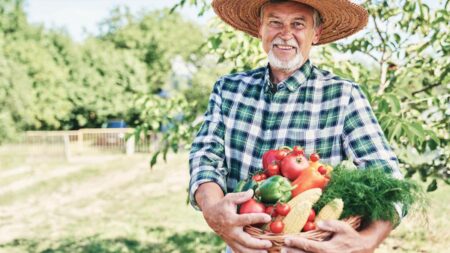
x: 204, y: 176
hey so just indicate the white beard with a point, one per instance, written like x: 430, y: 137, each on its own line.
x: 285, y: 65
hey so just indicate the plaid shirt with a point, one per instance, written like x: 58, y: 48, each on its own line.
x: 312, y: 108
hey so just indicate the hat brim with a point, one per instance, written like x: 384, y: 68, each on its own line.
x: 340, y: 18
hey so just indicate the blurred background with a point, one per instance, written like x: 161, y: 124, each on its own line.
x: 100, y: 100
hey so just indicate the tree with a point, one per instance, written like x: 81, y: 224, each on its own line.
x: 50, y: 82
x: 402, y: 62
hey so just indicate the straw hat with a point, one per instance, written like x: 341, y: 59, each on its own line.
x: 340, y: 18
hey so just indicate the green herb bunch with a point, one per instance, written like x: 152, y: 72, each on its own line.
x: 370, y: 193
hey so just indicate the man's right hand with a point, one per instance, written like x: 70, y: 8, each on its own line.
x: 223, y: 219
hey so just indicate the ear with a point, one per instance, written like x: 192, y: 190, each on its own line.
x: 317, y: 33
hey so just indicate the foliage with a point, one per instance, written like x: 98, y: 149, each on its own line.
x: 173, y: 118
x: 50, y: 82
x: 402, y: 63
x: 408, y: 47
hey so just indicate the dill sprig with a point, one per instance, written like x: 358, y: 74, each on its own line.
x: 370, y: 193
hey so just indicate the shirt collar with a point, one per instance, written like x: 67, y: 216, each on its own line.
x: 294, y: 81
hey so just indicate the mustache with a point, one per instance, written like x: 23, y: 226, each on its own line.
x: 280, y: 41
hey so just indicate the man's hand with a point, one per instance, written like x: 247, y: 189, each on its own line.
x: 345, y: 239
x: 221, y: 216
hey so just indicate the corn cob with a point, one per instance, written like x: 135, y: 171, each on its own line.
x: 331, y: 211
x: 311, y: 196
x: 297, y: 217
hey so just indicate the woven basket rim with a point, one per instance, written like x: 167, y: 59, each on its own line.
x: 317, y: 235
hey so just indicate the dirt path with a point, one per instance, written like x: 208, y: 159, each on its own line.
x: 37, y: 174
x: 19, y: 219
x: 14, y: 171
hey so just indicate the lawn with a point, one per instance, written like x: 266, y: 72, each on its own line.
x: 117, y: 204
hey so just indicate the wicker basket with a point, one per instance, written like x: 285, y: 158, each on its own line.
x: 278, y: 239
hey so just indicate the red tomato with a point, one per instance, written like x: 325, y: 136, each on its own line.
x: 322, y: 170
x: 252, y: 206
x: 293, y: 165
x: 263, y: 176
x: 281, y: 154
x: 314, y: 157
x: 270, y: 157
x: 273, y: 169
x: 282, y: 209
x: 270, y: 210
x: 298, y: 150
x: 309, y: 226
x: 276, y: 227
x: 312, y: 215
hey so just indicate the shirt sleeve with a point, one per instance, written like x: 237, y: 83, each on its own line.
x: 364, y: 141
x: 207, y: 155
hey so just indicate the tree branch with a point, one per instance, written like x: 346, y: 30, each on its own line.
x: 382, y: 61
x: 426, y: 88
x: 383, y: 40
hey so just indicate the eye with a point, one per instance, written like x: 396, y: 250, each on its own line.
x: 275, y: 23
x: 298, y: 25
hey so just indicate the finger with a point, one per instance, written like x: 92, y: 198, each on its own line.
x: 335, y: 226
x: 304, y: 244
x: 252, y: 218
x: 239, y: 197
x: 246, y: 240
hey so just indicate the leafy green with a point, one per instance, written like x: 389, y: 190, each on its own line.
x: 370, y: 193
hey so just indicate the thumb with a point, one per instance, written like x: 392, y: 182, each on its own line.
x: 335, y: 226
x: 240, y: 197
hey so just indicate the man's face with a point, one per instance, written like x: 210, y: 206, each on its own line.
x: 287, y: 33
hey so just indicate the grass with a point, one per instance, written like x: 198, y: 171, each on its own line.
x: 120, y: 205
x: 137, y: 210
x: 167, y: 241
x: 46, y: 186
x: 424, y: 234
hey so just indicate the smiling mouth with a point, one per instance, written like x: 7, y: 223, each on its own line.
x: 285, y: 47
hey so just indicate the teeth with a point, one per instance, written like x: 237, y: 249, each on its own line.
x: 284, y: 47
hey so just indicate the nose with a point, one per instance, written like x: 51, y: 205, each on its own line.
x: 286, y: 32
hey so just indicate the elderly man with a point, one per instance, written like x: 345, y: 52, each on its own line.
x: 289, y: 102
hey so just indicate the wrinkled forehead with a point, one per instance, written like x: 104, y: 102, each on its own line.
x: 292, y: 6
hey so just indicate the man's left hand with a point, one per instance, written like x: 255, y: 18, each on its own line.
x: 345, y: 239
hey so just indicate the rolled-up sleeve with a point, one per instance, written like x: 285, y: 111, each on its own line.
x: 207, y: 155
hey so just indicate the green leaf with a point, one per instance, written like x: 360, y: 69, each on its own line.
x: 417, y: 130
x: 393, y: 102
x: 433, y: 136
x: 154, y: 159
x: 396, y: 132
x: 403, y: 93
x: 432, y: 186
x: 397, y: 37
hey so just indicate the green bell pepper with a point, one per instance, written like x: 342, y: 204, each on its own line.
x: 274, y: 189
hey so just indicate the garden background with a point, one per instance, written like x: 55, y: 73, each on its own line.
x: 154, y: 70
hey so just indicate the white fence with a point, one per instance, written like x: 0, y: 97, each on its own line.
x: 67, y: 144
